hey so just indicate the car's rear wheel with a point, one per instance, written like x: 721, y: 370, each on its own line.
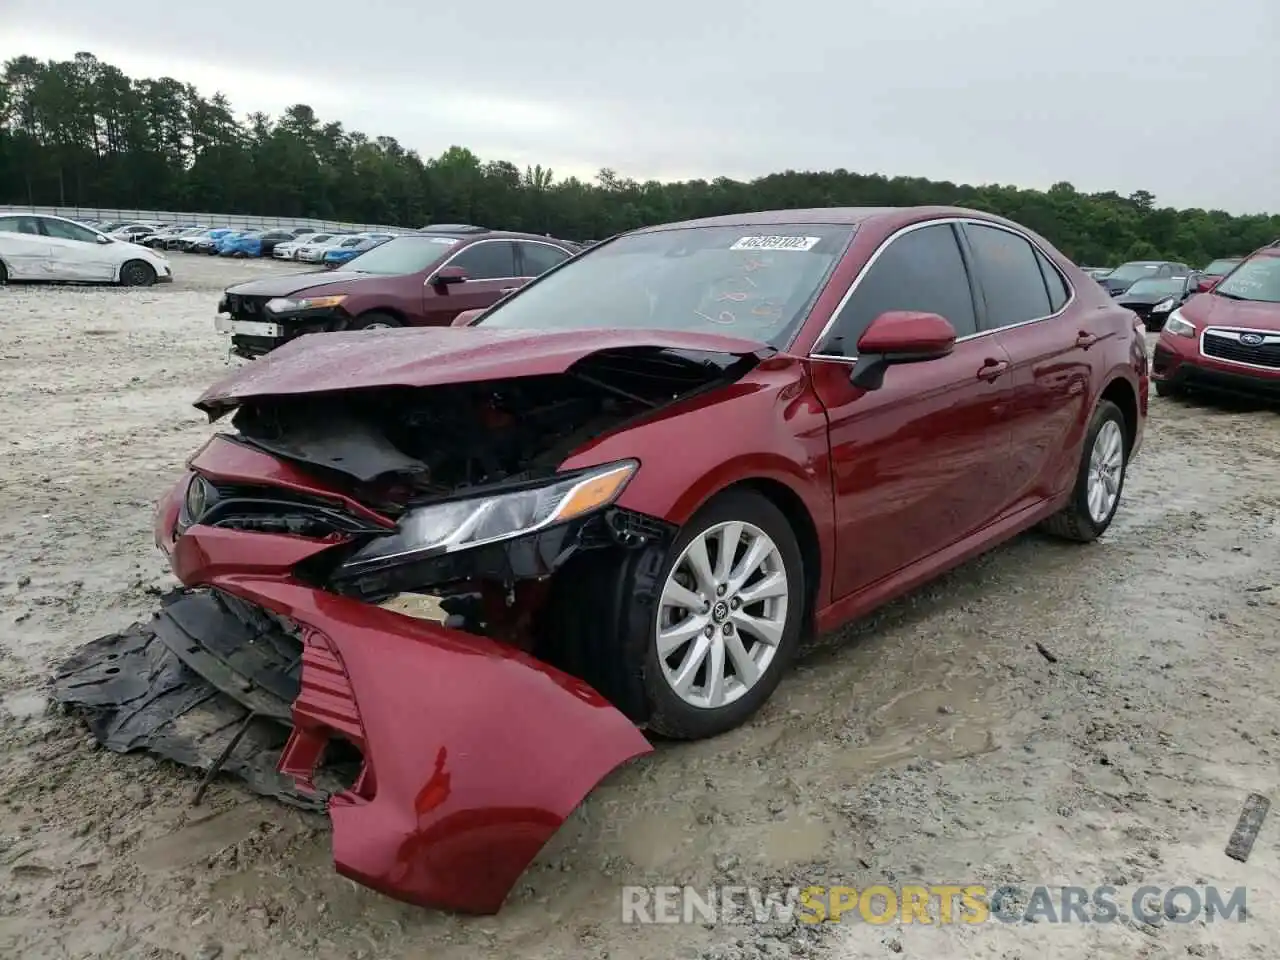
x: 1099, y: 479
x: 136, y: 273
x: 727, y: 620
x: 4, y: 273
x: 374, y: 320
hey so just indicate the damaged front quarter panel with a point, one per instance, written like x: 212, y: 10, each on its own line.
x: 471, y: 750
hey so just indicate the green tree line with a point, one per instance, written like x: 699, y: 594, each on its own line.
x: 81, y: 133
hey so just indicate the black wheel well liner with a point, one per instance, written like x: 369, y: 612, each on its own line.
x: 1120, y: 392
x: 592, y: 606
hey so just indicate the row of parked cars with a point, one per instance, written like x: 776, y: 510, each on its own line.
x: 1153, y: 289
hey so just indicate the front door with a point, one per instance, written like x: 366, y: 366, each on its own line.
x: 78, y: 251
x: 923, y: 461
x: 491, y: 271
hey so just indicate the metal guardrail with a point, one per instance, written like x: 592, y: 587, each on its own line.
x: 234, y: 221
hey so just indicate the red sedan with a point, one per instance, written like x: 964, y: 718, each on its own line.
x: 464, y: 567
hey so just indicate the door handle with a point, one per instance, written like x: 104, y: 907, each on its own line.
x: 992, y: 368
x: 508, y: 289
x: 1085, y: 339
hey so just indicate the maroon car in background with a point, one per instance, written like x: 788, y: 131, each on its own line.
x: 422, y: 279
x: 1228, y: 339
x: 438, y: 580
x: 1215, y: 271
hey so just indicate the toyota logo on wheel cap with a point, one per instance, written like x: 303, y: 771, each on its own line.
x: 1251, y: 339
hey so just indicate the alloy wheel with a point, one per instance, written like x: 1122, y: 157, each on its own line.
x: 722, y: 614
x: 1106, y: 462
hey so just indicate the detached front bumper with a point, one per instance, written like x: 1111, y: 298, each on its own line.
x: 254, y: 338
x: 472, y: 753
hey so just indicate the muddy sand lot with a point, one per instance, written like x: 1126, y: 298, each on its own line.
x: 933, y: 744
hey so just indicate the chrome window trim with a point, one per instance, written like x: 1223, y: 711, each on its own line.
x: 512, y: 240
x: 902, y: 231
x: 1233, y: 333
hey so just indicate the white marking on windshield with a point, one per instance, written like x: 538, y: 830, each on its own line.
x: 776, y: 243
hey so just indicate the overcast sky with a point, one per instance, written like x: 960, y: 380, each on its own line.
x: 1178, y: 97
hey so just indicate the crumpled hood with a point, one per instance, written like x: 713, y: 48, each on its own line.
x: 431, y: 356
x: 293, y: 283
x: 1207, y: 309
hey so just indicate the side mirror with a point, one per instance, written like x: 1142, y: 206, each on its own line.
x: 1206, y: 284
x: 900, y: 336
x: 465, y: 317
x: 103, y: 238
x: 447, y: 276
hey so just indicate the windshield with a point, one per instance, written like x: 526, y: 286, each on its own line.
x: 1220, y: 268
x: 1255, y: 279
x: 1157, y: 285
x: 1132, y: 271
x: 402, y: 255
x: 757, y: 284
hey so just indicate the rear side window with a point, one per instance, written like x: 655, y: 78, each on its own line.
x: 540, y: 257
x: 1010, y: 276
x: 490, y: 260
x: 919, y: 271
x: 1058, y: 292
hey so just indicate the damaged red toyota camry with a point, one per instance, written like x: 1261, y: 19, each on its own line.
x: 439, y: 580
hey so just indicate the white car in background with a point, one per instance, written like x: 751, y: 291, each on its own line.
x: 43, y: 247
x: 314, y: 251
x: 289, y: 249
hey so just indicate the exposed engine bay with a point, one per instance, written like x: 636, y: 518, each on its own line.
x: 442, y: 440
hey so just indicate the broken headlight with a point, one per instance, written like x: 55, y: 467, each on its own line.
x: 463, y: 524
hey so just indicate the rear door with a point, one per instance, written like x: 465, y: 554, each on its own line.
x: 1027, y: 306
x: 922, y: 462
x: 491, y: 271
x: 26, y: 252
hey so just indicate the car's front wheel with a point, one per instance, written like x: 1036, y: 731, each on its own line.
x: 1099, y: 478
x: 728, y: 617
x: 374, y: 320
x: 136, y: 273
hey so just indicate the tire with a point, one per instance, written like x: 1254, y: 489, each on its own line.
x: 137, y: 273
x: 1166, y: 389
x: 374, y: 320
x: 1076, y: 521
x: 673, y: 715
x: 4, y: 273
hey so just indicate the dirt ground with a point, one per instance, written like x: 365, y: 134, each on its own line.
x: 934, y: 743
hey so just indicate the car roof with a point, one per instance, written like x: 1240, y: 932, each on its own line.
x: 485, y: 235
x: 889, y: 217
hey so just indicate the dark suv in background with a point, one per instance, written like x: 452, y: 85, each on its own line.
x: 421, y: 279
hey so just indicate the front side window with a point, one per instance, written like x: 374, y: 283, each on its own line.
x: 1220, y: 268
x: 757, y: 282
x: 1013, y: 285
x: 69, y: 231
x: 1256, y: 279
x: 921, y: 271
